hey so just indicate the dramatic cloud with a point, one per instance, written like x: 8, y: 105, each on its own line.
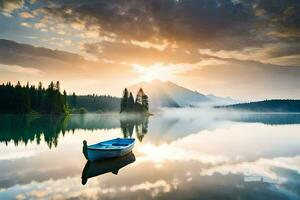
x: 251, y: 38
x: 210, y: 23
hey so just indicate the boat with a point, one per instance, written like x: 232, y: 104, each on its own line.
x: 113, y: 165
x: 108, y: 149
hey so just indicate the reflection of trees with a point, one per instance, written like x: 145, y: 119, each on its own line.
x: 139, y: 123
x: 33, y: 128
x: 23, y: 128
x: 270, y: 119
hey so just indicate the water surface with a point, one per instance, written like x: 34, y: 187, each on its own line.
x: 179, y: 154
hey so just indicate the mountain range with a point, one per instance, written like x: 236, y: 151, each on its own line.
x: 169, y: 94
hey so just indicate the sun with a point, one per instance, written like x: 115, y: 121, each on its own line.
x: 153, y: 72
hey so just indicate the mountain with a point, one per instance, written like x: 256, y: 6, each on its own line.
x: 169, y: 94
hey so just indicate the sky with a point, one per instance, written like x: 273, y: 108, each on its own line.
x: 245, y: 49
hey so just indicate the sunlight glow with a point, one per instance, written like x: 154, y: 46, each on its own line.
x: 156, y: 71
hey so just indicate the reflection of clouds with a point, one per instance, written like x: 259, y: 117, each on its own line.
x: 163, y: 153
x: 71, y: 188
x: 237, y: 143
x: 153, y: 187
x: 207, y: 162
x: 262, y: 167
x: 12, y: 152
x: 18, y: 155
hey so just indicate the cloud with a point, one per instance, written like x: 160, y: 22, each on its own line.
x: 48, y: 62
x: 25, y: 24
x: 26, y: 15
x: 281, y: 16
x: 247, y: 80
x: 155, y: 20
x: 28, y: 56
x: 144, y: 53
x: 188, y: 25
x: 9, y: 6
x: 209, y: 23
x: 279, y: 53
x: 18, y: 69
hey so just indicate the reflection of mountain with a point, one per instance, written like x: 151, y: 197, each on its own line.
x: 168, y: 94
x: 92, y: 169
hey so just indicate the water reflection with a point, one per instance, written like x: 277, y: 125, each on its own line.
x: 269, y: 119
x: 181, y: 156
x: 29, y: 128
x: 92, y: 169
x: 34, y: 128
x: 140, y: 124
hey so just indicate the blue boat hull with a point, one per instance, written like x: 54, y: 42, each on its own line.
x: 108, y: 149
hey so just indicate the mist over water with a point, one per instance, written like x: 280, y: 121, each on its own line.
x: 179, y: 154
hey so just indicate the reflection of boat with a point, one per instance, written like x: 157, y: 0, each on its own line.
x: 92, y: 169
x: 108, y: 149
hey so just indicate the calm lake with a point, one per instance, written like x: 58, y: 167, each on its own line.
x: 179, y: 154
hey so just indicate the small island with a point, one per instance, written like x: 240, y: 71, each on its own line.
x: 138, y: 106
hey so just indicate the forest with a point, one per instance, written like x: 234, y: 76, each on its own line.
x: 24, y: 99
x: 139, y: 105
x: 20, y: 99
x: 94, y: 103
x: 276, y: 105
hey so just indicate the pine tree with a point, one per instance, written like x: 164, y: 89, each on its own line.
x: 65, y: 97
x: 74, y: 102
x: 57, y: 86
x: 130, y: 103
x: 124, y: 101
x: 40, y: 96
x: 139, y: 97
x: 145, y: 102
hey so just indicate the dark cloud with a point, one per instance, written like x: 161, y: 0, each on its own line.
x: 208, y: 23
x: 9, y: 48
x: 214, y: 24
x: 51, y: 61
x: 12, y: 53
x: 285, y: 49
x: 283, y: 15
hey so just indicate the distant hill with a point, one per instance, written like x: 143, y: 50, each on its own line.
x: 94, y: 103
x: 267, y: 106
x: 168, y: 94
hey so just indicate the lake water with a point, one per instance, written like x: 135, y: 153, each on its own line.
x: 179, y: 154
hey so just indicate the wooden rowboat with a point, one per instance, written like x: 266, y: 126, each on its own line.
x: 108, y: 149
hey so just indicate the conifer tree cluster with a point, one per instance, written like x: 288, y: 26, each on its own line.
x: 20, y: 99
x: 140, y: 104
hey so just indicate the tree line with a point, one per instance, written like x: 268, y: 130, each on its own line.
x: 95, y: 103
x: 139, y: 104
x: 275, y: 105
x: 20, y: 99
